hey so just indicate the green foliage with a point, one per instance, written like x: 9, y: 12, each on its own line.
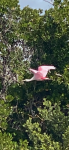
x: 34, y: 115
x: 23, y: 145
x: 66, y: 139
x: 40, y: 141
x: 6, y: 142
x: 55, y: 119
x: 4, y: 113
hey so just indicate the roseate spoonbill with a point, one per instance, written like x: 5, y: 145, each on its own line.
x: 40, y: 74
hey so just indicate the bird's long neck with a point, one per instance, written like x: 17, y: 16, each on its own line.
x: 47, y: 78
x: 28, y: 80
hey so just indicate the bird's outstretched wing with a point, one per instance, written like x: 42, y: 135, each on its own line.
x: 33, y: 71
x: 44, y: 69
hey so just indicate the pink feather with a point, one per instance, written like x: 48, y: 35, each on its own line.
x: 40, y: 74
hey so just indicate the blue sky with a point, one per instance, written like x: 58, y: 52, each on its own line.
x: 35, y: 4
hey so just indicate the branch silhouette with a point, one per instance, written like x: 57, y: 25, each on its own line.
x: 49, y: 2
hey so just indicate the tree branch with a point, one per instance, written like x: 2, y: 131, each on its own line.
x: 49, y: 2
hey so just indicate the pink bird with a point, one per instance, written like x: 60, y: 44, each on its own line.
x: 40, y: 74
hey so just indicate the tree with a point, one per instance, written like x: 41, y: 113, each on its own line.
x: 11, y: 54
x: 11, y: 65
x: 29, y: 39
